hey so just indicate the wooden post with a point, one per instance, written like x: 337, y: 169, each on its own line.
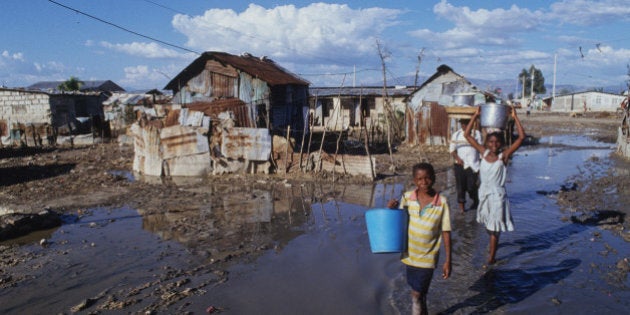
x: 286, y: 152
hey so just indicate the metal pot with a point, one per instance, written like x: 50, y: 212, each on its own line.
x: 464, y: 99
x: 494, y: 115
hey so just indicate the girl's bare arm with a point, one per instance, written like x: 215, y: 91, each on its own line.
x: 467, y: 133
x: 521, y: 136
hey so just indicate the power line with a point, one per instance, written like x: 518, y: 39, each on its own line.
x: 337, y: 73
x: 124, y: 29
x: 165, y: 7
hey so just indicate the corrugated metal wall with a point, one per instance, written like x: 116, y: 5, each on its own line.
x: 429, y: 125
x: 223, y: 86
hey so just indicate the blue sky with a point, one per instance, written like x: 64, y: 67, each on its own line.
x: 324, y: 42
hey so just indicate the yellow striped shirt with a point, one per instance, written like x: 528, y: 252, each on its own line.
x: 425, y: 229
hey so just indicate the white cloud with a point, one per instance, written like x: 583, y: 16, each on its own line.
x: 143, y: 76
x: 49, y: 67
x: 589, y: 12
x: 12, y: 56
x: 146, y: 50
x: 315, y: 33
x: 480, y: 27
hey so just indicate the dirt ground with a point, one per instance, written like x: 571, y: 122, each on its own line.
x: 70, y: 179
x: 63, y: 179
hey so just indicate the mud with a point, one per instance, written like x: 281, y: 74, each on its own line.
x: 76, y: 181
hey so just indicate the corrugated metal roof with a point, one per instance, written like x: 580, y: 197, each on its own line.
x: 258, y: 67
x: 356, y: 91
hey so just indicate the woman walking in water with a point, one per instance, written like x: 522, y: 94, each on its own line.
x: 494, y: 207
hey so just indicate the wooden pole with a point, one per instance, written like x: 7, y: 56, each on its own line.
x: 366, y: 140
x: 310, y: 135
x: 286, y: 152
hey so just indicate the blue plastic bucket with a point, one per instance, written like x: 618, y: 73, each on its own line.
x: 387, y: 230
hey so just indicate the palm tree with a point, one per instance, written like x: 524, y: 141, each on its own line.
x: 72, y: 84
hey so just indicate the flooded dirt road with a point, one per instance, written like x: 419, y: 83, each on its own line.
x: 302, y: 248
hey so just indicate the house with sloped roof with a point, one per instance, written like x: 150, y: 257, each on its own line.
x: 427, y: 121
x: 86, y: 86
x: 271, y: 96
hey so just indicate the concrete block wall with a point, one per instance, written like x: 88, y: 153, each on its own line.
x: 26, y: 107
x: 356, y: 165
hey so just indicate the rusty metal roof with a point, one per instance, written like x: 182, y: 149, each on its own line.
x: 258, y: 67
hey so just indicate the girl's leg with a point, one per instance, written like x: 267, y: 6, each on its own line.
x: 494, y: 243
x: 418, y: 303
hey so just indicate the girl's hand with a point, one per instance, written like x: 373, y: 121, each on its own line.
x: 392, y: 204
x: 513, y: 112
x: 477, y: 112
x: 446, y: 270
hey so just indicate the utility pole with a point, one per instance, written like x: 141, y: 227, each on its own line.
x: 553, y: 90
x: 523, y: 94
x: 531, y: 94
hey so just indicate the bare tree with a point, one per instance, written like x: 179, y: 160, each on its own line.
x: 386, y: 104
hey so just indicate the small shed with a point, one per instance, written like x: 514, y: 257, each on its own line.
x: 427, y: 121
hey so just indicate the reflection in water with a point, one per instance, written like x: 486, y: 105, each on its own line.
x: 541, y: 241
x: 498, y: 287
x: 231, y: 220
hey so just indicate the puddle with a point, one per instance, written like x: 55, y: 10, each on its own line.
x: 313, y: 252
x: 123, y: 174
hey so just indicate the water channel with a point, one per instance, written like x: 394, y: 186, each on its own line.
x: 319, y: 260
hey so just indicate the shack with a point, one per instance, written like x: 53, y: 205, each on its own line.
x: 226, y: 108
x: 273, y: 97
x: 427, y: 121
x: 121, y: 108
x: 34, y: 118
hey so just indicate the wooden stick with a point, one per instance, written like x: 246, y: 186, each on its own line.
x: 286, y: 152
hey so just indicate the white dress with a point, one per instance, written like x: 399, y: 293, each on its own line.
x: 494, y: 207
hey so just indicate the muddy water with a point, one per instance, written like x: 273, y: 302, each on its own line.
x: 314, y: 255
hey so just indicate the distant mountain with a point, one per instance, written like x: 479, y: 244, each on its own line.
x: 507, y: 86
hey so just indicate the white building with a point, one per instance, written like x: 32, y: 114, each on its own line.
x: 589, y: 101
